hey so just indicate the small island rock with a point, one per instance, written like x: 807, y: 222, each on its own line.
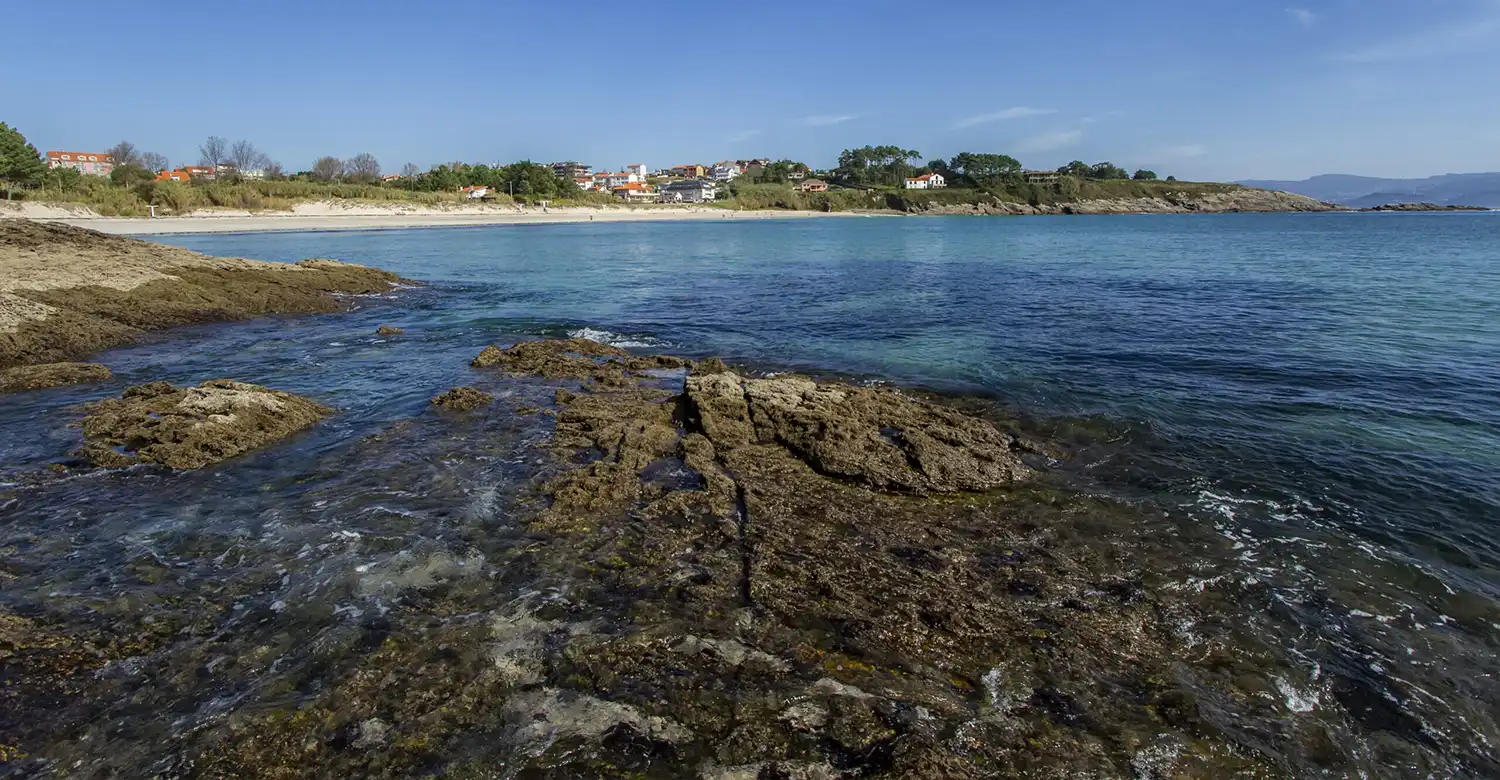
x: 192, y: 427
x: 463, y: 399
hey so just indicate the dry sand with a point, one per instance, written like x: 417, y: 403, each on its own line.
x: 325, y: 215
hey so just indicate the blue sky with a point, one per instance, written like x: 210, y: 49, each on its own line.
x: 1204, y: 89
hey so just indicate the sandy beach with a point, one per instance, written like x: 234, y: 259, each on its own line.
x: 323, y: 216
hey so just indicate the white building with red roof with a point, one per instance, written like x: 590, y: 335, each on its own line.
x: 927, y: 181
x: 91, y: 163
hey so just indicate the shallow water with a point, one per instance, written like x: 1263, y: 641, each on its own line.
x: 1318, y: 389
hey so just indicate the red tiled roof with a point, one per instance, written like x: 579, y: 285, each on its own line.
x: 80, y: 156
x: 634, y: 186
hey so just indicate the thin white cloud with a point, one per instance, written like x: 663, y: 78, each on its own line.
x: 1445, y: 39
x: 1088, y: 120
x: 1015, y: 112
x: 743, y: 135
x: 1046, y: 142
x: 827, y: 120
x: 1303, y: 16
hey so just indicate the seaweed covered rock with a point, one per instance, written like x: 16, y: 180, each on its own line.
x: 463, y: 399
x: 389, y: 330
x: 66, y: 292
x: 881, y: 438
x: 552, y: 358
x: 192, y: 427
x: 51, y: 375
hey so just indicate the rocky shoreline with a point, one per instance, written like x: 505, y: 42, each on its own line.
x: 753, y: 576
x: 1424, y: 207
x: 703, y: 571
x: 67, y: 292
x: 1244, y: 200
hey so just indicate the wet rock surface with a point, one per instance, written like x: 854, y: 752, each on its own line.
x: 191, y: 427
x: 463, y: 399
x: 47, y: 375
x: 673, y: 569
x: 67, y: 292
x: 389, y: 330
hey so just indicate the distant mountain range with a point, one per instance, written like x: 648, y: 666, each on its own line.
x: 1450, y: 189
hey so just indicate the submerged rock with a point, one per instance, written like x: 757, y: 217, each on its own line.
x: 389, y: 330
x: 553, y: 358
x: 51, y: 375
x: 192, y: 427
x: 463, y: 399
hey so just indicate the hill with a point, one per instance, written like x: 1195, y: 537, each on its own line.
x: 1451, y: 189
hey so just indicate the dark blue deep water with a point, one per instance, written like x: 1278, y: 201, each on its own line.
x: 1323, y: 390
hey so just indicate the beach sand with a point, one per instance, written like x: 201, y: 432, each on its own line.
x: 325, y: 215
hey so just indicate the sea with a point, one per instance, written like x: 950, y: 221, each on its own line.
x: 1322, y: 390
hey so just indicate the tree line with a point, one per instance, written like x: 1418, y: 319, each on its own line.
x: 891, y: 166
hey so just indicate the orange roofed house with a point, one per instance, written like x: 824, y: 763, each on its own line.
x: 633, y: 191
x: 182, y: 176
x: 927, y: 181
x: 91, y: 163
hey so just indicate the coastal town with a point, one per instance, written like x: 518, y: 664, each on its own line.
x: 860, y: 172
x: 633, y: 183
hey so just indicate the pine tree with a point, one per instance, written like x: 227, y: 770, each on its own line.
x: 20, y: 164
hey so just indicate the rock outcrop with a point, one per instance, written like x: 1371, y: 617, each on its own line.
x: 51, y: 375
x: 879, y: 438
x: 1423, y: 207
x: 463, y: 399
x: 1229, y: 200
x: 192, y: 427
x: 66, y: 292
x: 389, y: 330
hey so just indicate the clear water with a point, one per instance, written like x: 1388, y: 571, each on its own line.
x: 1321, y: 389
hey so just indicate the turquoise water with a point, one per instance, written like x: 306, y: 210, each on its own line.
x: 1321, y: 390
x: 1349, y: 358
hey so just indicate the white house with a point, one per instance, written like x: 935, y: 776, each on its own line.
x: 639, y: 169
x: 609, y: 181
x: 475, y: 192
x: 724, y: 171
x: 690, y: 191
x: 927, y: 181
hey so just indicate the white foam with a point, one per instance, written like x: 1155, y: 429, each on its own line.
x: 1296, y: 700
x: 614, y: 339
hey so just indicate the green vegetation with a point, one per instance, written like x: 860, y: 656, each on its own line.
x: 780, y: 172
x: 64, y: 185
x: 20, y: 163
x: 749, y: 196
x: 524, y: 180
x: 869, y: 177
x: 875, y: 166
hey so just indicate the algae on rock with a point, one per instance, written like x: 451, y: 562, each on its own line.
x: 192, y: 427
x: 46, y: 375
x: 463, y: 399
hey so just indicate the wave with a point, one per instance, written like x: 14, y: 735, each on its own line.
x: 617, y: 339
